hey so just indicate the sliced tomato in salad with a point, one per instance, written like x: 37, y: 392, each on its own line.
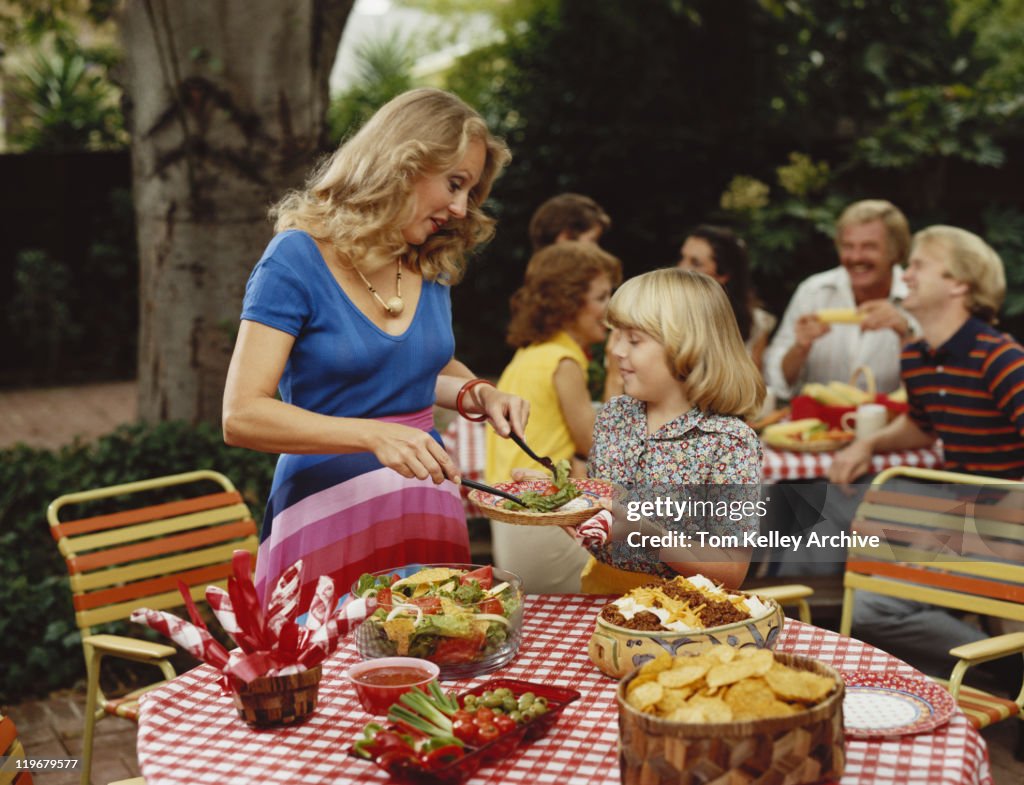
x: 452, y: 650
x: 384, y: 599
x: 483, y: 575
x: 491, y: 605
x: 551, y: 490
x: 426, y: 604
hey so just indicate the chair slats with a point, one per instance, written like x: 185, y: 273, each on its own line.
x: 942, y: 541
x: 142, y: 514
x: 146, y: 531
x: 928, y: 560
x: 941, y: 580
x: 157, y: 547
x: 947, y: 599
x: 983, y: 708
x: 140, y: 590
x: 949, y: 518
x: 995, y: 512
x: 123, y: 610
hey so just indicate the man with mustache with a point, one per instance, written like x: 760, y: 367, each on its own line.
x: 872, y: 238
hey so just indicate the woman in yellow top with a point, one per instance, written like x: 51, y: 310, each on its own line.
x: 557, y: 315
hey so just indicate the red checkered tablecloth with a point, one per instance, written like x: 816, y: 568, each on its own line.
x: 189, y: 731
x: 787, y: 465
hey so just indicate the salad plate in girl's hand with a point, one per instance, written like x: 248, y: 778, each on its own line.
x: 566, y: 501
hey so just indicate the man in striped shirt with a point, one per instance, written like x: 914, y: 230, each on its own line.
x: 964, y: 379
x: 965, y: 384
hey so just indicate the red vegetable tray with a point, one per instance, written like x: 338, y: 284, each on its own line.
x: 460, y: 770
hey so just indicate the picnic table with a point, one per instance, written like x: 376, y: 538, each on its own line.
x: 189, y: 731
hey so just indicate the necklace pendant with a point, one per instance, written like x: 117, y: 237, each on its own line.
x: 394, y: 306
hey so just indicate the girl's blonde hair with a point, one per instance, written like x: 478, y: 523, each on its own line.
x: 360, y: 198
x: 689, y: 314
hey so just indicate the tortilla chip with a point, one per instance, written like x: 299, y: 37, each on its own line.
x: 795, y: 685
x: 645, y: 696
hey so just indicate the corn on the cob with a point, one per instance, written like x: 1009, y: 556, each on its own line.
x: 840, y: 316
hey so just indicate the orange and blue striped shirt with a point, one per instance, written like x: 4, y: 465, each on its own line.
x: 970, y: 393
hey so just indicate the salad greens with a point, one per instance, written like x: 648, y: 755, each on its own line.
x: 562, y: 490
x: 442, y: 614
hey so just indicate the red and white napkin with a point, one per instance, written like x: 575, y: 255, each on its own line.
x: 270, y: 641
x: 595, y: 532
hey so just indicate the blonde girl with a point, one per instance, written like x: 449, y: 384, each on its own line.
x: 679, y: 428
x: 346, y: 344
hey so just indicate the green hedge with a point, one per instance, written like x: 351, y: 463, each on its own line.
x: 39, y: 642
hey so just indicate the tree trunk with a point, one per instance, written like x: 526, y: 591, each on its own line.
x: 226, y: 106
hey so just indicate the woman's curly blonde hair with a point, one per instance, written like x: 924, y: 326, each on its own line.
x: 557, y: 282
x: 359, y: 199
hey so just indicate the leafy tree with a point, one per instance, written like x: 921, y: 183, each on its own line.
x: 67, y: 103
x: 384, y: 70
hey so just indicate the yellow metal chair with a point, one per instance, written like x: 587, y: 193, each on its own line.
x: 134, y: 557
x: 964, y: 556
x: 11, y: 751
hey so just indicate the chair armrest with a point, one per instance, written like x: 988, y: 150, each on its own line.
x: 990, y: 648
x: 787, y: 593
x: 129, y: 648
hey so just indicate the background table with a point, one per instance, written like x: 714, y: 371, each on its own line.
x: 189, y: 731
x: 788, y: 465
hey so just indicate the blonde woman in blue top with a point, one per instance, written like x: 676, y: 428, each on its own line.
x: 346, y: 344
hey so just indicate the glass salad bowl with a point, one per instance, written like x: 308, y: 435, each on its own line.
x: 466, y: 618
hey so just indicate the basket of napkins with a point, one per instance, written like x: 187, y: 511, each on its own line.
x: 274, y: 674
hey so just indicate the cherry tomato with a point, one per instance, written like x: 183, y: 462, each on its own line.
x: 462, y: 714
x: 483, y: 715
x: 488, y: 733
x: 504, y: 723
x: 465, y: 731
x: 551, y: 490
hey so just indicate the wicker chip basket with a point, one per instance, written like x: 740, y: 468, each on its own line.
x: 591, y: 489
x: 277, y: 700
x: 800, y: 749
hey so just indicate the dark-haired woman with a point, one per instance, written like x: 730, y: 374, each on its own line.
x: 718, y: 252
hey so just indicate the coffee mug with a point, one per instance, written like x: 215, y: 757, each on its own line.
x: 869, y: 418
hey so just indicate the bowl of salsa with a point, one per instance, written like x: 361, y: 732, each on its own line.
x: 380, y: 682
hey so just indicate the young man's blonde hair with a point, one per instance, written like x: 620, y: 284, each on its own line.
x: 974, y: 262
x: 360, y: 198
x: 688, y: 313
x: 896, y: 226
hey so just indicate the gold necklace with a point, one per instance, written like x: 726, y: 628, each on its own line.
x: 395, y: 305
